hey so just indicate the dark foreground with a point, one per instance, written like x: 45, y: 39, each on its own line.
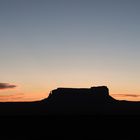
x: 71, y: 114
x: 70, y: 127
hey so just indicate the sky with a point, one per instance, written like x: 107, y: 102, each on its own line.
x: 45, y: 44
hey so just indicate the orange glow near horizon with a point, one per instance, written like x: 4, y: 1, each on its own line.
x: 37, y: 94
x: 23, y: 98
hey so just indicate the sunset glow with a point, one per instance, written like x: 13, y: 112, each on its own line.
x: 49, y: 44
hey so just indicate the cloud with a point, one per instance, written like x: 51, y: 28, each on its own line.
x: 11, y: 97
x: 6, y: 86
x: 131, y: 95
x: 127, y: 95
x: 17, y: 97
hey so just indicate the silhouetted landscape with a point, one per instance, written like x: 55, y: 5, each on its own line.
x: 94, y: 101
x: 74, y: 113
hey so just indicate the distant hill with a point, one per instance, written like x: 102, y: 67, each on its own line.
x: 79, y: 100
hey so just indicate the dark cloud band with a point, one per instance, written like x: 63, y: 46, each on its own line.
x: 127, y: 95
x: 6, y: 86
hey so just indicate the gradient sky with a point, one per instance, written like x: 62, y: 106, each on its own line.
x: 45, y: 44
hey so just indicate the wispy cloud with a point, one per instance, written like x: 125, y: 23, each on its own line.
x: 11, y: 97
x: 127, y: 95
x: 130, y: 97
x: 18, y: 97
x: 6, y: 86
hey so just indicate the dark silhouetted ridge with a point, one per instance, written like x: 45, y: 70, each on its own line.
x: 79, y: 100
x: 74, y: 101
x: 93, y: 94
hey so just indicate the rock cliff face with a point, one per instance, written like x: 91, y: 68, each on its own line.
x: 97, y: 94
x: 79, y: 100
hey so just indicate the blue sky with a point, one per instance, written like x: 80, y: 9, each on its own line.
x: 74, y: 43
